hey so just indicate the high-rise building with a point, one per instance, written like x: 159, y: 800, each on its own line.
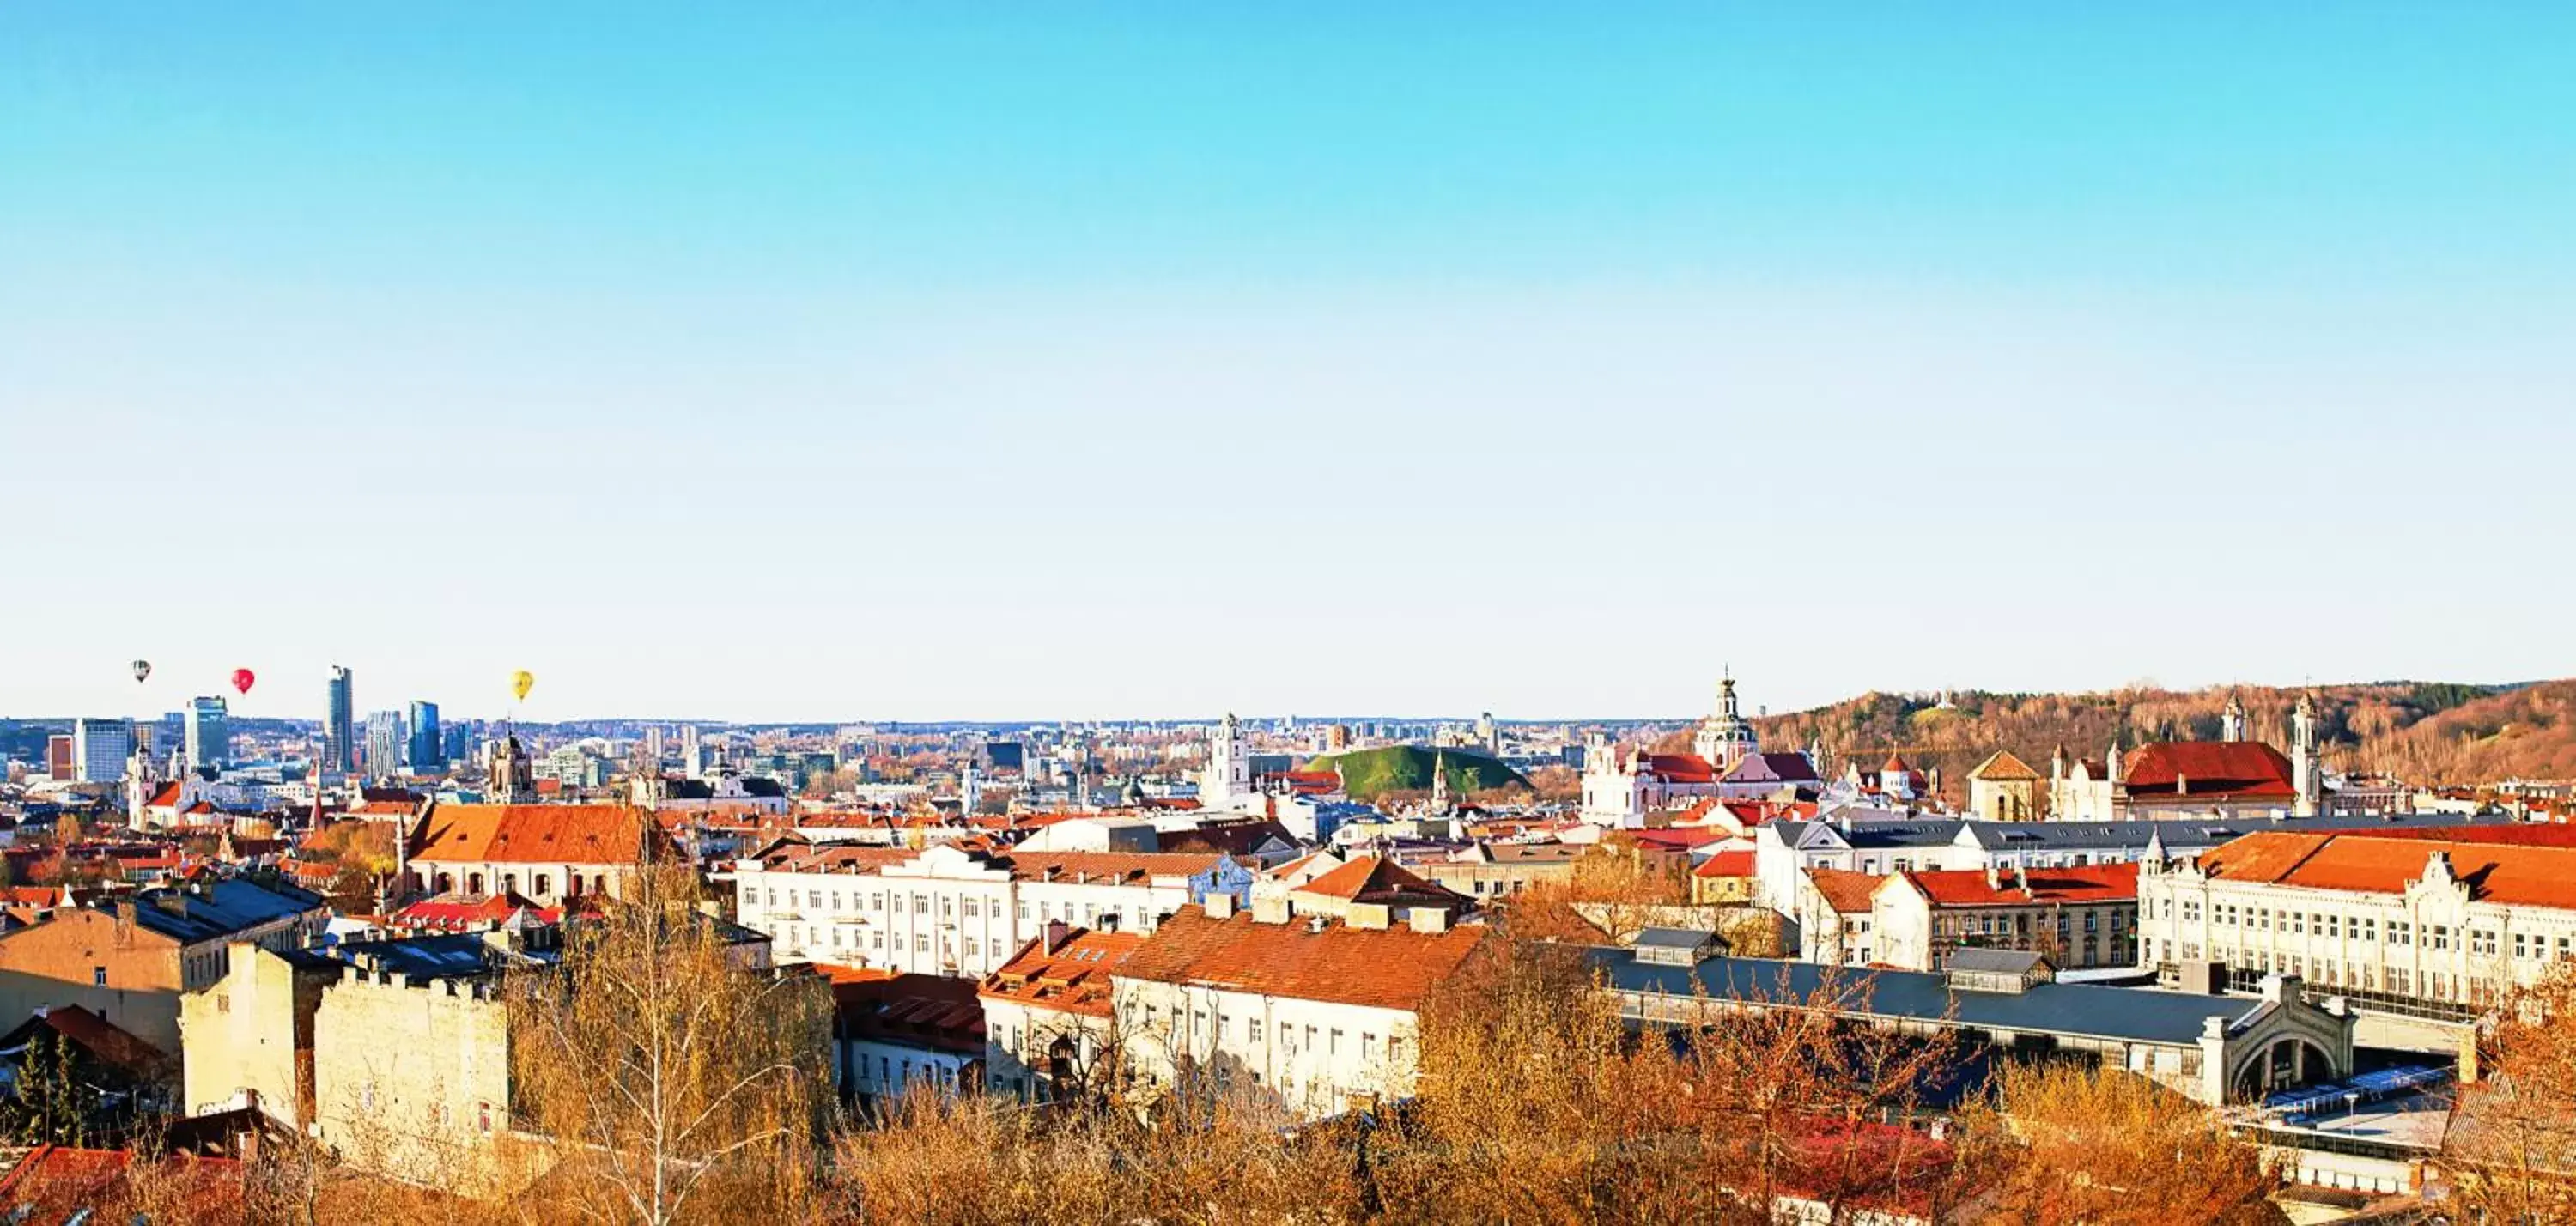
x: 209, y: 733
x: 58, y: 756
x: 339, y: 728
x: 428, y: 753
x: 99, y: 749
x: 385, y: 744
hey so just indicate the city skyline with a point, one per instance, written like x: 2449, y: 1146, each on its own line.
x: 1082, y: 365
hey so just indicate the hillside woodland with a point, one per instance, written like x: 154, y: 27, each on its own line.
x: 2424, y: 732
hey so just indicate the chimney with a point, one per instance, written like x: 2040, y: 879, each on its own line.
x: 1056, y: 932
x: 1270, y: 909
x: 1318, y: 923
x: 1371, y: 915
x: 2021, y: 880
x: 1994, y: 879
x: 1430, y: 920
x: 1219, y: 906
x: 2182, y: 784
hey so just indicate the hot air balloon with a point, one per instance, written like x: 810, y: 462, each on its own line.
x: 242, y: 677
x: 520, y: 682
x: 142, y: 669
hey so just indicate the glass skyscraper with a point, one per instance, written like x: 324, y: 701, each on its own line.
x: 340, y: 728
x: 385, y: 744
x: 428, y: 753
x: 209, y: 733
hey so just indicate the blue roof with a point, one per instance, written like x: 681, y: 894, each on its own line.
x: 2075, y: 1009
x: 218, y: 909
x: 454, y: 955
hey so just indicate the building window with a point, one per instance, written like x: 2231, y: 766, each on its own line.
x: 545, y: 884
x: 98, y: 976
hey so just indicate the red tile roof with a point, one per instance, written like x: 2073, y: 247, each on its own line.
x: 1677, y: 767
x: 1374, y: 879
x: 1847, y: 892
x: 1104, y: 867
x: 1726, y: 864
x: 531, y: 834
x: 1383, y: 968
x: 1680, y: 838
x: 2002, y: 767
x: 2094, y: 883
x: 57, y: 1181
x: 1072, y: 979
x: 2210, y: 768
x: 466, y: 912
x: 2537, y: 873
x: 102, y: 1038
x: 928, y: 1011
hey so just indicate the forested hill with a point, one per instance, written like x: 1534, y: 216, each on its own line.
x: 2428, y: 732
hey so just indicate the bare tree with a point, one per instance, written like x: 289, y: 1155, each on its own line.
x: 2511, y: 1150
x: 2066, y: 1144
x: 669, y: 1080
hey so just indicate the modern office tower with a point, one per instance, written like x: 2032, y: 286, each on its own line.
x: 209, y: 733
x: 58, y: 756
x: 339, y: 728
x: 99, y: 749
x: 428, y: 753
x: 385, y: 744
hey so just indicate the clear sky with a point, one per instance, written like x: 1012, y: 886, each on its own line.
x: 791, y: 361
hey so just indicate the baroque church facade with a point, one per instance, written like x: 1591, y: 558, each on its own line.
x: 1625, y: 786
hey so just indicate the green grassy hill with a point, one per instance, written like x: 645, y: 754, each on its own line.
x: 1368, y: 774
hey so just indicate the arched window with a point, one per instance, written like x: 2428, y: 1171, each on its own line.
x: 474, y: 883
x: 572, y: 885
x: 446, y: 882
x: 545, y: 884
x: 599, y: 883
x: 509, y: 883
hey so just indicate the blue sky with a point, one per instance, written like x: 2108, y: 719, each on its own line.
x: 841, y: 361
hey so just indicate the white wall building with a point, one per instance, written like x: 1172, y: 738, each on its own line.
x: 2432, y: 924
x: 950, y: 911
x: 1318, y: 1014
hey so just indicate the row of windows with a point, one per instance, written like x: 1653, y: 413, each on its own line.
x: 815, y: 938
x: 2252, y: 964
x: 2003, y: 924
x: 1088, y: 914
x: 1331, y: 1038
x: 2481, y: 942
x: 544, y: 883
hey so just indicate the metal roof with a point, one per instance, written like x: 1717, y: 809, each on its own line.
x: 2137, y: 1015
x: 1994, y: 961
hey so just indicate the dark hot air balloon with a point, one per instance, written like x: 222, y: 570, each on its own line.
x: 142, y: 669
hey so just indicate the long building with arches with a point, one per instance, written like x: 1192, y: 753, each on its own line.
x: 2214, y: 1049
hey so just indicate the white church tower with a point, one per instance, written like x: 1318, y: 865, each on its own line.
x: 2307, y: 774
x: 1229, y: 768
x: 1725, y: 737
x: 2231, y: 722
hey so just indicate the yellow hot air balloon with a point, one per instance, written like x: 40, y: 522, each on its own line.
x: 520, y: 682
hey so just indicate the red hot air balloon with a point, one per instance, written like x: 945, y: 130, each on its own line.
x: 242, y: 678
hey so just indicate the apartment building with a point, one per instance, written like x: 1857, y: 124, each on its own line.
x: 2078, y: 918
x: 1315, y: 1012
x: 2431, y: 923
x: 954, y: 910
x: 129, y: 961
